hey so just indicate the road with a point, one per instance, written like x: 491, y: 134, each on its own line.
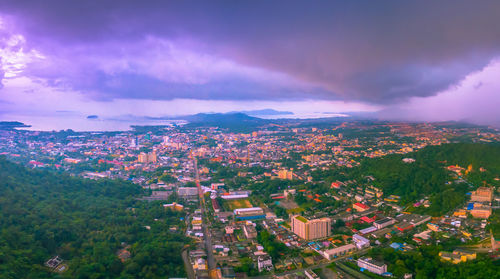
x: 187, y: 265
x: 322, y: 265
x: 207, y: 237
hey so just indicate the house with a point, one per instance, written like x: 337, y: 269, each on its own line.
x: 360, y: 207
x: 264, y: 262
x: 457, y: 256
x: 200, y: 264
x: 54, y: 262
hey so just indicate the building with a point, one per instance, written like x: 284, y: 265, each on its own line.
x: 360, y: 207
x: 457, y: 256
x: 147, y: 157
x: 185, y: 192
x: 482, y: 194
x: 404, y: 226
x: 215, y: 206
x: 249, y: 231
x: 372, y: 265
x: 285, y: 174
x: 174, y: 206
x: 264, y: 262
x: 310, y: 274
x: 251, y: 213
x: 382, y: 223
x: 360, y: 241
x: 338, y: 251
x: 217, y: 186
x: 311, y: 229
x: 230, y: 196
x: 433, y: 227
x: 200, y: 264
x: 158, y: 196
x: 481, y: 211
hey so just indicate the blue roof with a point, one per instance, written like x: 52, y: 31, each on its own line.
x: 470, y: 206
x: 396, y: 245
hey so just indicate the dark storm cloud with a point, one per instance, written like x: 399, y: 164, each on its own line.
x: 365, y: 50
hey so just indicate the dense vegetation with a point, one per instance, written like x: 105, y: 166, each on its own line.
x: 424, y: 262
x: 427, y: 176
x: 86, y: 223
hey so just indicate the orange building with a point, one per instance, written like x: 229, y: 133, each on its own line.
x: 482, y: 212
x: 482, y: 194
x: 311, y: 229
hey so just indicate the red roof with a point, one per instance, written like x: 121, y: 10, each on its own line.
x: 364, y: 206
x: 367, y: 220
x: 335, y: 185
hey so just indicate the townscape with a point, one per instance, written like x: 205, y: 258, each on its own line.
x: 296, y: 200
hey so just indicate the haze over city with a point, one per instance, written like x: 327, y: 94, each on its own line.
x: 419, y: 61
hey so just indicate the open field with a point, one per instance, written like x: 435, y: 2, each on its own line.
x: 242, y: 203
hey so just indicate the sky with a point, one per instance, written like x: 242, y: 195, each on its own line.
x: 403, y: 60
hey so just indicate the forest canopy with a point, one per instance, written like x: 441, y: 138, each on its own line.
x: 86, y: 223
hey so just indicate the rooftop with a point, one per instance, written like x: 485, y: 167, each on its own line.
x: 301, y: 219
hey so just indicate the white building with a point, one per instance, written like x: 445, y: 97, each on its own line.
x: 360, y: 241
x: 264, y: 263
x: 372, y: 266
x: 339, y: 251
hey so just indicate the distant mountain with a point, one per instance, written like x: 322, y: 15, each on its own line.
x: 92, y: 117
x: 234, y: 121
x: 10, y: 125
x: 219, y: 117
x: 264, y: 112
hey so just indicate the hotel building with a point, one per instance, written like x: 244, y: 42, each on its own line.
x: 311, y: 229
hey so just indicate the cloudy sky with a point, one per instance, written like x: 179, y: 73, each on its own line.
x: 411, y: 60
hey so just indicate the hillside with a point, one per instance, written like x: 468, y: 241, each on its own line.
x: 86, y: 223
x: 427, y: 176
x: 238, y: 122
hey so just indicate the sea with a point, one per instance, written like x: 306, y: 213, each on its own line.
x: 100, y: 124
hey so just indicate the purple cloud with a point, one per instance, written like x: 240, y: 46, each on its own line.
x: 375, y: 52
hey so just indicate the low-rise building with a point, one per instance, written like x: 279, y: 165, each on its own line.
x: 360, y: 207
x: 251, y: 213
x: 481, y: 211
x: 264, y: 262
x: 360, y: 241
x: 310, y: 274
x: 338, y: 251
x: 249, y: 231
x: 457, y: 256
x: 372, y: 265
x: 382, y: 223
x: 174, y: 206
